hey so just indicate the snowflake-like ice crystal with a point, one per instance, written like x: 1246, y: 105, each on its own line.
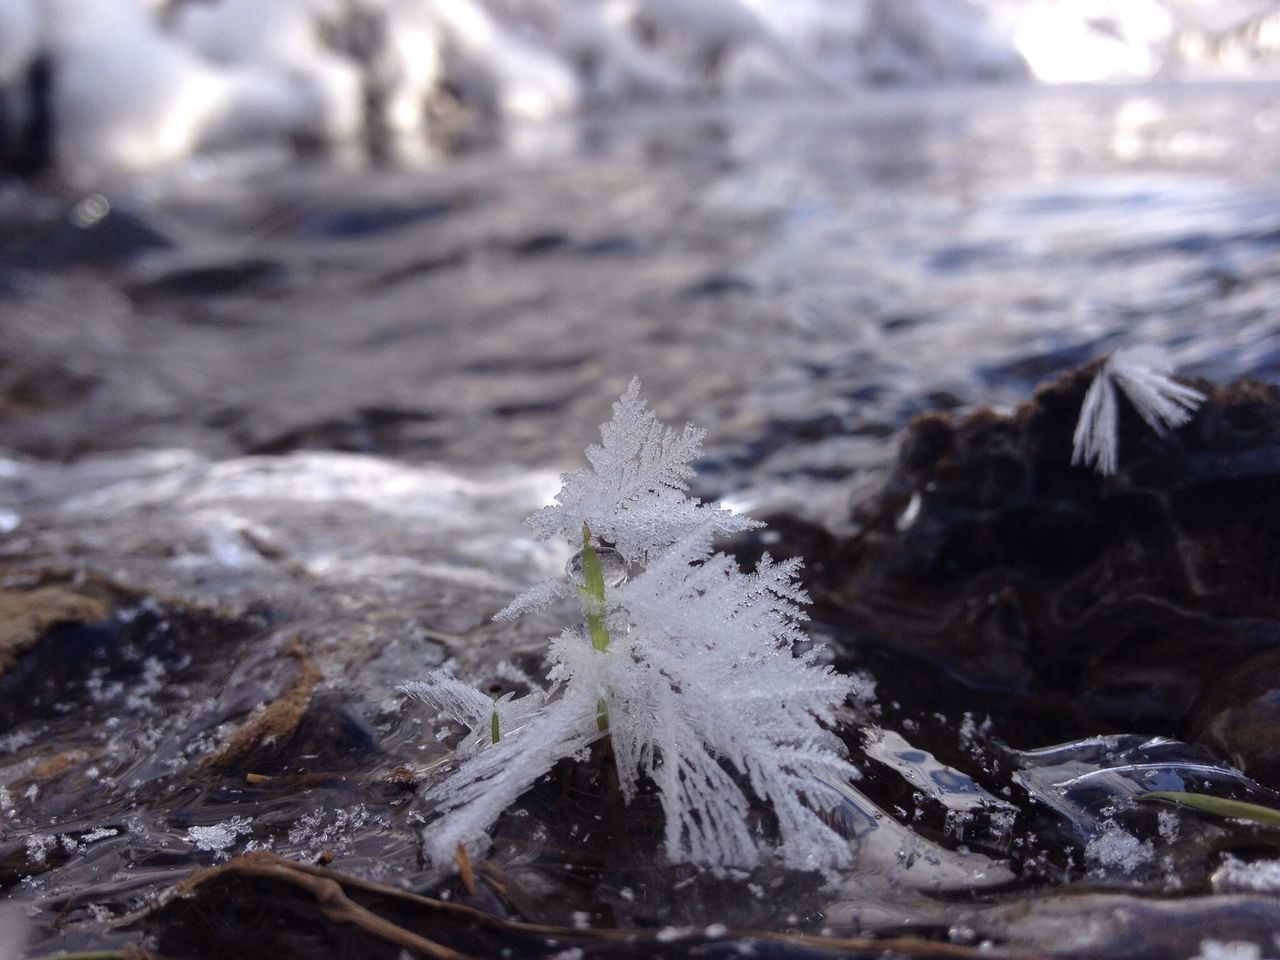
x: 685, y: 661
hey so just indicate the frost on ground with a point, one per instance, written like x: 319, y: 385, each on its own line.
x: 39, y: 846
x: 1114, y: 849
x: 220, y: 837
x: 1260, y: 876
x: 1143, y: 376
x: 333, y: 831
x: 686, y: 661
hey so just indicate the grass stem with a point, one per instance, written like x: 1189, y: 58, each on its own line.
x: 591, y: 593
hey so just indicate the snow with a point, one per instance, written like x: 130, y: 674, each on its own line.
x: 282, y: 38
x: 1259, y: 876
x: 139, y: 89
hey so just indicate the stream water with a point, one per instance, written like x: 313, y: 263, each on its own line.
x: 269, y: 438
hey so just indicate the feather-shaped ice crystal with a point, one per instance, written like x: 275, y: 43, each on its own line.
x: 635, y: 494
x: 1142, y: 374
x: 697, y: 675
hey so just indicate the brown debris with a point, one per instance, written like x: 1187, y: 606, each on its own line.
x: 465, y: 873
x: 274, y: 721
x: 344, y: 899
x: 26, y: 615
x: 58, y: 764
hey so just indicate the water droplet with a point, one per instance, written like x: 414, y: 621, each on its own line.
x: 613, y: 567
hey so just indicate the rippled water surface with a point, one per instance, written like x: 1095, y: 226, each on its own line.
x: 270, y: 442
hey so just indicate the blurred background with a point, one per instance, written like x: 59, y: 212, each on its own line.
x: 304, y: 304
x: 96, y: 88
x: 432, y: 228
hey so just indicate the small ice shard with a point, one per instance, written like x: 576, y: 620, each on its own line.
x: 38, y: 847
x: 219, y: 837
x: 953, y: 789
x: 905, y: 857
x: 1114, y: 849
x: 1142, y: 374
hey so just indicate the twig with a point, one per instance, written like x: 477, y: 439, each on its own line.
x: 327, y: 887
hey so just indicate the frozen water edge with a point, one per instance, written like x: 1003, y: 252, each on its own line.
x: 344, y: 518
x: 139, y: 91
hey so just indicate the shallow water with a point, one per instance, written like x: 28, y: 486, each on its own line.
x: 286, y: 429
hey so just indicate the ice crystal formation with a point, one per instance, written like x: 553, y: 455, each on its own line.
x: 685, y: 661
x: 1143, y: 376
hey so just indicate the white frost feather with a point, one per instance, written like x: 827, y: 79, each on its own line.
x: 535, y: 598
x: 704, y: 693
x: 1144, y: 377
x: 464, y: 704
x: 635, y: 494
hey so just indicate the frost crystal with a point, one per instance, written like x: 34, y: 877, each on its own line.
x: 1143, y: 376
x: 219, y: 837
x: 635, y: 494
x: 1114, y: 849
x: 686, y: 661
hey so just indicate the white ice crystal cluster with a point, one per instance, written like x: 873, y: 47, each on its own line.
x: 1143, y: 376
x: 689, y: 664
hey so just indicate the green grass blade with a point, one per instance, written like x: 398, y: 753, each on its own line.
x: 593, y: 605
x: 1232, y: 809
x: 494, y: 732
x: 591, y: 593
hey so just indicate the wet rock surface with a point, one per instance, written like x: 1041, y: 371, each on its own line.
x: 267, y: 449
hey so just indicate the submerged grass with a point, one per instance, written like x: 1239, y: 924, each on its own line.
x: 1219, y: 806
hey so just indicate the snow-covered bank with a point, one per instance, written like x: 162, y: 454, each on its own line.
x: 140, y: 84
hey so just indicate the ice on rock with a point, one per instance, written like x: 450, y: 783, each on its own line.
x: 1143, y: 376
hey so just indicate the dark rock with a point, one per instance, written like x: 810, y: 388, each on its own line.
x: 1148, y: 601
